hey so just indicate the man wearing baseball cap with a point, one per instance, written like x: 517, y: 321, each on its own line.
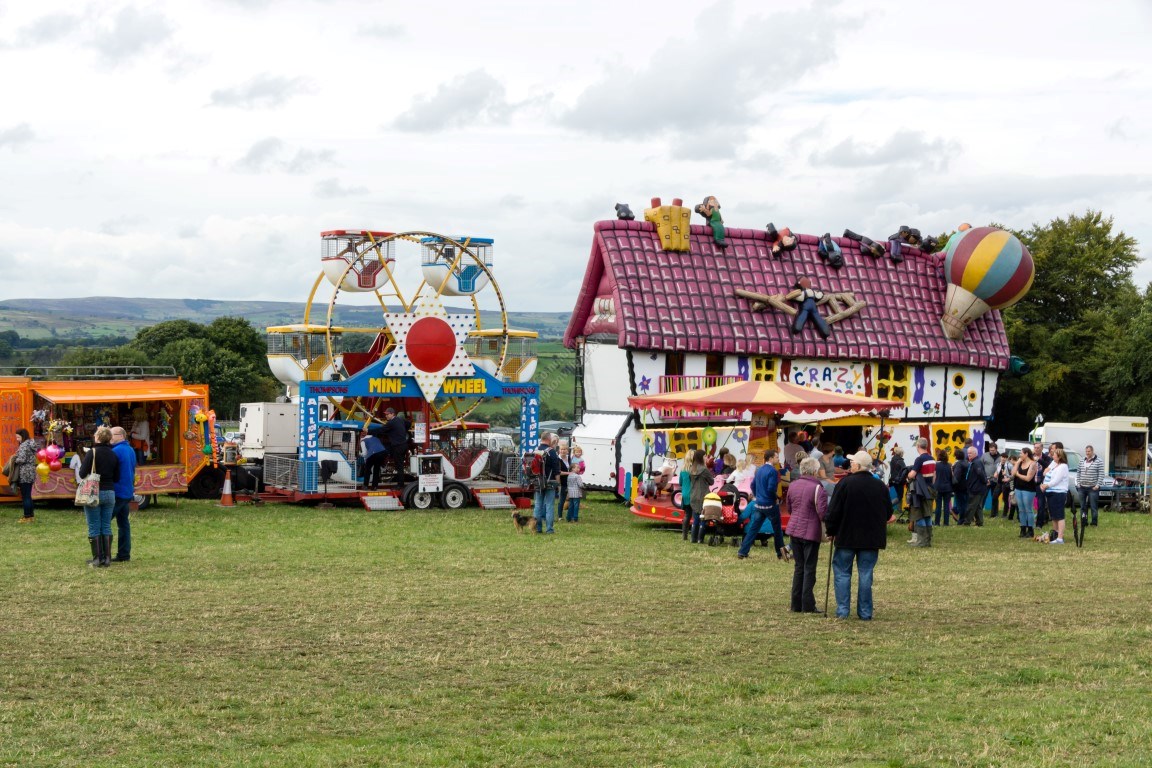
x: 857, y: 523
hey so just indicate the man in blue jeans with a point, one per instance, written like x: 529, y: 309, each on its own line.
x: 764, y: 506
x: 125, y: 489
x: 857, y: 522
x: 549, y: 484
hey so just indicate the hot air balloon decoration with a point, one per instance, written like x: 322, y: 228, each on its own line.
x: 986, y: 268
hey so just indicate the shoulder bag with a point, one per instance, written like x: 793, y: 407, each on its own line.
x: 88, y: 492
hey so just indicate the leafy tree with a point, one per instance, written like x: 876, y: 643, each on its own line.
x: 116, y: 356
x: 1127, y: 378
x: 231, y: 379
x: 154, y: 338
x: 238, y: 335
x: 1081, y: 299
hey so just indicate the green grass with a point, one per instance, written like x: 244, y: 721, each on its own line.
x: 296, y: 636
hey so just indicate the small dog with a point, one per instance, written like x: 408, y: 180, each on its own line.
x: 1046, y: 537
x: 521, y: 521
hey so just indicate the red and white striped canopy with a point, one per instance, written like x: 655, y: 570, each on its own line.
x: 766, y: 396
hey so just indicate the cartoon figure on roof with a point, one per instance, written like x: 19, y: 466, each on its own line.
x: 844, y: 304
x: 710, y: 210
x: 807, y: 298
x: 781, y: 240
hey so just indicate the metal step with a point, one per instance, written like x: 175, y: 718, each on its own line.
x: 381, y: 502
x: 496, y: 500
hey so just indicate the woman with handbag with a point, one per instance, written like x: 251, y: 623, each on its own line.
x: 102, y: 464
x: 24, y: 473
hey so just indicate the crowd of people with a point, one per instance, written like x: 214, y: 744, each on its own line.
x: 851, y: 500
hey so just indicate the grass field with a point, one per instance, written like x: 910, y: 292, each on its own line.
x: 291, y: 636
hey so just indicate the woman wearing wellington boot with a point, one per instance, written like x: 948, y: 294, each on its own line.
x: 102, y: 460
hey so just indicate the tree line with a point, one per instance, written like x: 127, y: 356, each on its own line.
x: 1085, y: 329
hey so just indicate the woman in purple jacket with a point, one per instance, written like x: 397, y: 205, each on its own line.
x: 807, y: 504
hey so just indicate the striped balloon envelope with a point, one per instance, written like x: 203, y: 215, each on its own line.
x: 986, y: 268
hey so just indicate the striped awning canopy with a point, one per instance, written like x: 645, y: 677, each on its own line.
x: 766, y: 397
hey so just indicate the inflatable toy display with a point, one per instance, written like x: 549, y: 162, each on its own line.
x: 986, y: 268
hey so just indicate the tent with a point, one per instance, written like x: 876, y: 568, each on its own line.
x: 764, y: 397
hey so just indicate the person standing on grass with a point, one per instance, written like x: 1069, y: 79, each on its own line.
x: 1088, y: 478
x: 857, y: 523
x: 1043, y: 459
x: 549, y: 484
x: 24, y: 473
x: 1055, y: 488
x: 990, y: 458
x: 125, y: 490
x: 897, y: 477
x: 976, y: 484
x: 700, y: 479
x: 808, y: 505
x: 562, y: 489
x: 765, y: 506
x: 943, y: 488
x: 1024, y: 477
x: 575, y: 490
x: 959, y: 487
x: 103, y: 461
x: 922, y: 476
x: 686, y: 498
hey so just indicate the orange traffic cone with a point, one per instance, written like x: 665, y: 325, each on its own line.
x: 226, y: 494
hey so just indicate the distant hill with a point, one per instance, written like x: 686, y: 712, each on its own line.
x: 98, y: 316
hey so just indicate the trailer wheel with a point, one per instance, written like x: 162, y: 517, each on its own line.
x: 455, y: 496
x: 414, y: 498
x: 208, y: 484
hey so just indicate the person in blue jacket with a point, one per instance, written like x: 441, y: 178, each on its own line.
x: 125, y: 490
x: 765, y: 507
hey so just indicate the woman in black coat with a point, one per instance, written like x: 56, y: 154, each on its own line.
x: 105, y: 463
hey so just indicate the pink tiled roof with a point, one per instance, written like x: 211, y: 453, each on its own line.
x: 685, y: 302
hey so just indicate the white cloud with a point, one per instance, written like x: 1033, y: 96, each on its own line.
x: 904, y: 149
x: 273, y: 155
x: 333, y: 187
x: 474, y: 99
x: 263, y: 91
x: 129, y: 33
x: 17, y: 136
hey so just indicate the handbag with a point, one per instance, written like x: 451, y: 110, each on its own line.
x: 88, y: 492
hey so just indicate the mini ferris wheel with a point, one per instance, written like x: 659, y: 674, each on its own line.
x: 417, y: 334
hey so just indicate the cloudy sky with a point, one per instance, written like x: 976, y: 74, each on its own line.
x: 197, y: 149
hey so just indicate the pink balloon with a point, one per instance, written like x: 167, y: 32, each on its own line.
x: 54, y: 465
x: 54, y: 451
x: 42, y: 455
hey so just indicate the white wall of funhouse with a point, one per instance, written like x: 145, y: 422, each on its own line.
x: 606, y: 384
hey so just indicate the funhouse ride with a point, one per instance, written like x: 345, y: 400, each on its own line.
x: 410, y: 353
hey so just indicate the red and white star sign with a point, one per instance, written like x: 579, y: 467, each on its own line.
x: 429, y: 345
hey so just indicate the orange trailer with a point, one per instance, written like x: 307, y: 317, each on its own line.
x: 65, y: 407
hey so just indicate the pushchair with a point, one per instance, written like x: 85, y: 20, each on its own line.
x: 722, y: 518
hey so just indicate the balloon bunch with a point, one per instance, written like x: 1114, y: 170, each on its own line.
x: 49, y: 457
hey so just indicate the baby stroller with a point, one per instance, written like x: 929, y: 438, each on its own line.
x: 722, y: 516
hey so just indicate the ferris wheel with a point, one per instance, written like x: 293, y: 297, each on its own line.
x: 420, y: 336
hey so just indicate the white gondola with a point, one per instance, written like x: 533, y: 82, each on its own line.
x: 484, y: 347
x: 299, y: 353
x: 459, y: 274
x: 371, y: 261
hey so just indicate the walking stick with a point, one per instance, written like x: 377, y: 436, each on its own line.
x: 828, y: 581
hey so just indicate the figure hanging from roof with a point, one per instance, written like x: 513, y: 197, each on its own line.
x: 829, y: 250
x: 781, y: 241
x: 710, y: 210
x: 807, y: 299
x: 843, y: 304
x: 867, y: 244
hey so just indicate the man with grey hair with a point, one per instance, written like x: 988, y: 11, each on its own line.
x: 976, y: 481
x: 922, y: 480
x: 125, y: 488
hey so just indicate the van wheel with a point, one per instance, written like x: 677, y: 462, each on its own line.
x: 208, y: 484
x: 454, y: 496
